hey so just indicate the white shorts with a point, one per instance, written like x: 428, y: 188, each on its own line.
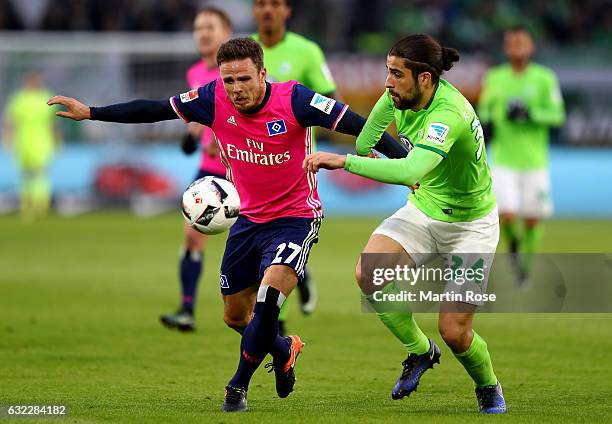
x: 526, y: 193
x: 462, y: 244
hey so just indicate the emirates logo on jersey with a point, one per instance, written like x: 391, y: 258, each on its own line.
x: 257, y: 158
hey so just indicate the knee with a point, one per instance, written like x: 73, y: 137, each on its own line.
x: 280, y: 277
x: 236, y: 321
x: 456, y: 336
x: 194, y: 241
x: 358, y: 273
x: 365, y: 288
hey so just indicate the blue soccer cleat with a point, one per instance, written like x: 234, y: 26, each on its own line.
x: 414, y: 367
x: 491, y: 399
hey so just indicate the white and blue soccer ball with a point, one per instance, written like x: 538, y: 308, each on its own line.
x: 211, y: 205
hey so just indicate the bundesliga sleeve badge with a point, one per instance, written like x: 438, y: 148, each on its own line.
x: 324, y: 104
x: 189, y: 96
x: 437, y: 133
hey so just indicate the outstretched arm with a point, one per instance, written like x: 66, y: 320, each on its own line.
x: 353, y: 123
x: 312, y: 109
x: 407, y: 171
x: 134, y: 112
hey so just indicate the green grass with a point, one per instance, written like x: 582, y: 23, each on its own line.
x: 79, y: 301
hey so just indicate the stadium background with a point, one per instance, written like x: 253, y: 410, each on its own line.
x: 79, y: 296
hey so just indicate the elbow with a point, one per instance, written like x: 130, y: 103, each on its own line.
x: 410, y: 181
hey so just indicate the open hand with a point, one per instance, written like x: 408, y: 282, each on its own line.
x: 323, y: 160
x: 76, y: 110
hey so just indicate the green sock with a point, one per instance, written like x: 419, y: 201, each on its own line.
x: 508, y: 229
x: 477, y: 362
x: 529, y: 246
x: 402, y: 324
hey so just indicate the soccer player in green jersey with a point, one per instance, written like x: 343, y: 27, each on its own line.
x: 521, y: 101
x: 289, y: 56
x: 29, y: 128
x: 452, y: 213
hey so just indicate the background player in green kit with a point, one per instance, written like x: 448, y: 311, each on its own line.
x: 289, y: 56
x: 29, y: 128
x: 521, y: 101
x: 453, y: 212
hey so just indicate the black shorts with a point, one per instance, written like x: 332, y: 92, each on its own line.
x: 251, y: 248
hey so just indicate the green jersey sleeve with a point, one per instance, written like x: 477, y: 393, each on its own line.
x: 549, y: 109
x: 319, y: 77
x: 442, y: 128
x: 379, y: 120
x: 406, y: 171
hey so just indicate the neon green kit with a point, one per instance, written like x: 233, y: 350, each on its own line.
x: 32, y: 121
x: 521, y: 145
x: 449, y: 148
x: 297, y: 58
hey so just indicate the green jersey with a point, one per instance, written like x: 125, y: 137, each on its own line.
x: 297, y: 58
x: 521, y: 145
x: 32, y: 122
x: 458, y: 188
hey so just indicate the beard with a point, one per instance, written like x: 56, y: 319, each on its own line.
x: 405, y: 103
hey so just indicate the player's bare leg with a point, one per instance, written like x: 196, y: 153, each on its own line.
x: 422, y: 352
x: 190, y: 269
x: 455, y: 326
x: 260, y: 336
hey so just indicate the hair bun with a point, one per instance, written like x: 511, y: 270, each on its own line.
x: 449, y: 57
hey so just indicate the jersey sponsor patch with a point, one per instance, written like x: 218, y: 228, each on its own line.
x: 276, y: 127
x: 437, y: 133
x: 324, y: 104
x: 189, y: 96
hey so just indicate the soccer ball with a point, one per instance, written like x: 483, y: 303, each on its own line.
x: 211, y: 205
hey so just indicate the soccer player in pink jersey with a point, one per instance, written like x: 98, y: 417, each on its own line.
x: 211, y: 27
x: 263, y: 134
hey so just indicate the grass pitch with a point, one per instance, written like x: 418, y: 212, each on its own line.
x: 80, y: 299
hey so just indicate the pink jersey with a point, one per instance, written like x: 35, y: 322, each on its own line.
x: 263, y: 153
x: 197, y: 76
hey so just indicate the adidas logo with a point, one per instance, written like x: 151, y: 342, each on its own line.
x: 232, y: 120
